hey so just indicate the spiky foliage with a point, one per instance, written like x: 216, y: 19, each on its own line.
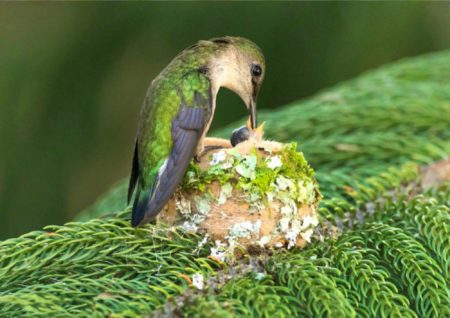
x: 367, y: 140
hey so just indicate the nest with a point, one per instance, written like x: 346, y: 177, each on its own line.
x: 257, y: 194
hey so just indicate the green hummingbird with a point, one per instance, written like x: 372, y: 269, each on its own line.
x: 177, y: 113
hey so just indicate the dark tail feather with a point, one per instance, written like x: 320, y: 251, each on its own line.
x: 134, y: 173
x: 139, y: 207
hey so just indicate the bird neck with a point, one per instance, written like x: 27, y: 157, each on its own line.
x: 225, y: 70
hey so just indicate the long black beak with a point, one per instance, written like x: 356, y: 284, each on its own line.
x: 252, y: 110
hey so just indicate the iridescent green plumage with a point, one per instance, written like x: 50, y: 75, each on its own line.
x: 163, y: 103
x: 176, y: 114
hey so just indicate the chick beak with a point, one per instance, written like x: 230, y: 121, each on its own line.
x: 252, y: 109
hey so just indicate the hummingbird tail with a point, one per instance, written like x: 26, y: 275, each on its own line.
x: 134, y: 173
x: 140, y: 204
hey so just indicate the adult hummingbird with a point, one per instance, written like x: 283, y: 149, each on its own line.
x: 177, y: 113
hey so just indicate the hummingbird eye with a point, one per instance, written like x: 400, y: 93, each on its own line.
x: 256, y: 70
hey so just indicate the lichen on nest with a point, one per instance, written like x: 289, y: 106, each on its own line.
x: 258, y: 193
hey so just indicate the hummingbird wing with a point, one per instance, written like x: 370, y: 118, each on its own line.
x: 186, y: 130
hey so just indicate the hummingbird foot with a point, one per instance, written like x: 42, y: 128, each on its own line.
x: 206, y: 149
x: 213, y: 147
x: 216, y: 142
x: 208, y: 144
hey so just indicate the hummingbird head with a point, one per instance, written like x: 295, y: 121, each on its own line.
x: 240, y: 67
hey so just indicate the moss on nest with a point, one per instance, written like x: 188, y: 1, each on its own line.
x: 256, y: 174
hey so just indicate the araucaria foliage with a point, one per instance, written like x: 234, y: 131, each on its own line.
x: 373, y: 142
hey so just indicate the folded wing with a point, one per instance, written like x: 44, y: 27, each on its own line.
x: 187, y: 129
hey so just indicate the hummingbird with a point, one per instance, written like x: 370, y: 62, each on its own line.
x: 178, y: 110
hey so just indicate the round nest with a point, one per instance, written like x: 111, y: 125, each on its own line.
x: 257, y: 194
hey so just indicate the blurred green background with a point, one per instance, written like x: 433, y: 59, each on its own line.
x: 73, y: 77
